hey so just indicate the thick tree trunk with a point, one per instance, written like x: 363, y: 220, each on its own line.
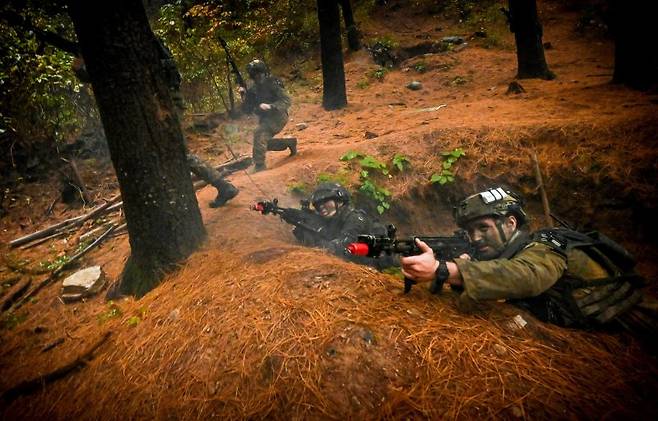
x: 636, y: 45
x: 144, y: 137
x: 333, y: 72
x: 350, y: 26
x: 527, y: 29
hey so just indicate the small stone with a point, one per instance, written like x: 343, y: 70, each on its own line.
x: 174, y: 315
x: 301, y: 126
x: 83, y: 283
x: 500, y: 350
x: 515, y: 88
x: 415, y: 85
x: 453, y: 40
x: 370, y: 135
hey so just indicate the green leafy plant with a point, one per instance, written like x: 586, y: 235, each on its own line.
x: 350, y: 155
x: 341, y: 177
x: 298, y: 187
x: 113, y: 311
x: 368, y: 166
x: 373, y: 163
x: 11, y: 320
x: 400, y: 162
x: 378, y: 73
x: 375, y: 192
x: 51, y: 265
x: 362, y: 84
x: 446, y: 175
x: 386, y: 42
x: 133, y: 321
x: 420, y: 67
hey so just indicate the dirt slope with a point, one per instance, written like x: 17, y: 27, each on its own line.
x: 254, y: 326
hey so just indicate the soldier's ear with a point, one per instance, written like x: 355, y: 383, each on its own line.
x: 511, y: 222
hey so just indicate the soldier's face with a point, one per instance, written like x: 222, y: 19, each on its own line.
x: 326, y: 209
x: 259, y: 77
x: 486, y: 238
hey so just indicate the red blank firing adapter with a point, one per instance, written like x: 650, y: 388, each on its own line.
x: 358, y: 249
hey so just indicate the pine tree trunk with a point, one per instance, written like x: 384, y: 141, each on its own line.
x: 528, y: 32
x: 333, y: 72
x: 144, y: 137
x: 350, y: 26
x: 636, y: 45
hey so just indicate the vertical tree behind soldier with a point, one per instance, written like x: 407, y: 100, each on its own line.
x: 269, y: 101
x: 528, y: 32
x: 145, y: 141
x: 225, y: 190
x: 333, y: 72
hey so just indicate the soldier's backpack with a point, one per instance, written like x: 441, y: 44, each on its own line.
x: 576, y: 301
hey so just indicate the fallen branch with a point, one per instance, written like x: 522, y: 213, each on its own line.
x: 71, y: 222
x: 52, y: 345
x: 50, y: 237
x: 38, y: 383
x: 15, y: 293
x: 102, y: 227
x: 542, y: 190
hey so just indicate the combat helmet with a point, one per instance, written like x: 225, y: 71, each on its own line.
x: 329, y: 191
x: 495, y: 202
x: 255, y: 67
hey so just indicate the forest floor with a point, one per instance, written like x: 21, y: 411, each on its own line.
x: 253, y: 325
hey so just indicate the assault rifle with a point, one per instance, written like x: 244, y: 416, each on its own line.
x: 303, y: 218
x: 445, y: 248
x: 230, y: 63
x: 234, y: 67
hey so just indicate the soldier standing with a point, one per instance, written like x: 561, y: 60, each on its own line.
x: 269, y: 101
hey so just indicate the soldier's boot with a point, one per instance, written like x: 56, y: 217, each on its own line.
x: 225, y: 192
x: 281, y: 144
x: 258, y: 167
x: 292, y: 145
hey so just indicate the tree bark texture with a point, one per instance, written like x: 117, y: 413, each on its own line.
x: 144, y: 137
x: 636, y: 44
x: 333, y: 72
x: 528, y: 32
x: 350, y: 26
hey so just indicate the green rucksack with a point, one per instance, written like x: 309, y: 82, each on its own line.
x: 576, y: 301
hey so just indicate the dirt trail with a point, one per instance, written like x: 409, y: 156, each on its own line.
x: 255, y: 326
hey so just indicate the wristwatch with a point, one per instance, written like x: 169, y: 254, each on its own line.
x: 441, y: 275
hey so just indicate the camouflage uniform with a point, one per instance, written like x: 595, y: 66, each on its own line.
x: 340, y: 230
x: 201, y: 169
x: 268, y: 91
x: 343, y: 228
x: 549, y: 273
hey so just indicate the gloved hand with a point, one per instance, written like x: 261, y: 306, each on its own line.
x: 265, y: 107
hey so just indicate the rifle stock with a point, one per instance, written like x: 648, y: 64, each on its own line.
x: 444, y: 248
